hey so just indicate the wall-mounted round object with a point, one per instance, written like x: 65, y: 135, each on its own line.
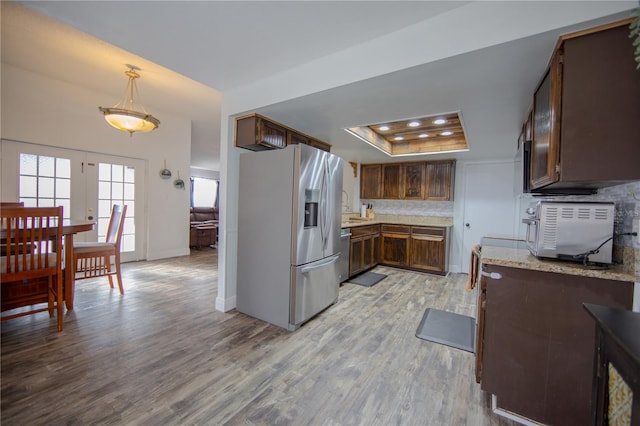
x: 165, y: 173
x: 178, y: 183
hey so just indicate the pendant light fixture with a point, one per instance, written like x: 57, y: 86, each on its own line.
x: 124, y: 116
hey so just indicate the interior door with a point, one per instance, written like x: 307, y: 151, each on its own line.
x: 41, y: 175
x: 116, y: 180
x: 489, y: 204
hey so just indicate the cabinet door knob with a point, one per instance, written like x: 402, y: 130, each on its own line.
x: 89, y: 217
x: 467, y: 225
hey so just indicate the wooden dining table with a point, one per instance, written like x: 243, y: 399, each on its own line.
x: 70, y: 227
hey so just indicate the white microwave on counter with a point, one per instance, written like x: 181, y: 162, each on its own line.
x: 571, y: 230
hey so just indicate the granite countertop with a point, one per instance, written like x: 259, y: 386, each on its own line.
x: 523, y: 259
x: 399, y: 220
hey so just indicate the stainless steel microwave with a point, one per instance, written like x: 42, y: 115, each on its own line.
x: 571, y: 230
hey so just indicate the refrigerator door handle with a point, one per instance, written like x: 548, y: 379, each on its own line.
x: 325, y: 206
x: 308, y: 269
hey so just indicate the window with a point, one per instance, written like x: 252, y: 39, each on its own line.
x: 205, y: 192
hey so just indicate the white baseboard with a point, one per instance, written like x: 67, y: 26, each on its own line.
x: 511, y: 416
x: 225, y: 305
x: 168, y: 253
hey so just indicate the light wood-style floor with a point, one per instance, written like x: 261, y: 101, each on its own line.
x: 161, y: 354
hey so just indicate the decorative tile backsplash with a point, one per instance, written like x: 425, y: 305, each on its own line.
x: 412, y: 207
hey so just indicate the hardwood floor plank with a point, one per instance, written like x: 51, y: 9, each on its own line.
x: 161, y: 354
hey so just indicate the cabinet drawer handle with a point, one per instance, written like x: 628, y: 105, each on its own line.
x: 427, y: 238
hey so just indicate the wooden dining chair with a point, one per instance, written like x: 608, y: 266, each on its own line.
x: 31, y: 270
x: 94, y: 259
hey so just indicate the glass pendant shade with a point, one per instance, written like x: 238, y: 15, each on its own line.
x: 128, y: 119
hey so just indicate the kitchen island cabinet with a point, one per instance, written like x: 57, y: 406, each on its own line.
x: 534, y: 342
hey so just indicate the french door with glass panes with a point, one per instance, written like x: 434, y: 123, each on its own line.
x: 85, y: 184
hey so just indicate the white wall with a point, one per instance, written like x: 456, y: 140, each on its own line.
x: 42, y: 110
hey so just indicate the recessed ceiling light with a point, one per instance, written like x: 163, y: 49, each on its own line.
x: 423, y: 135
x: 413, y: 123
x: 384, y: 128
x: 398, y: 138
x: 439, y: 121
x: 447, y: 133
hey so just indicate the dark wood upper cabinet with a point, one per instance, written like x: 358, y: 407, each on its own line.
x: 294, y: 138
x: 259, y: 133
x: 586, y: 124
x: 413, y: 181
x: 391, y: 181
x: 370, y: 181
x: 439, y: 180
x: 430, y: 180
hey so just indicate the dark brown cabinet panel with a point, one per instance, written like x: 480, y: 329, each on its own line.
x: 428, y: 249
x: 391, y: 181
x: 439, y: 177
x: 370, y: 181
x: 431, y: 180
x: 319, y: 144
x: 585, y: 125
x: 356, y: 260
x: 395, y: 245
x: 294, y: 138
x: 365, y: 248
x: 258, y: 134
x: 537, y: 340
x: 413, y: 187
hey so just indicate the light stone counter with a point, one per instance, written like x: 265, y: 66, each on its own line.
x: 398, y: 220
x: 523, y: 259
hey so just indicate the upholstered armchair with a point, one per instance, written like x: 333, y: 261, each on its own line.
x: 204, y: 227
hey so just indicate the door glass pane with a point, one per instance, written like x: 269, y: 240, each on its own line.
x: 44, y: 181
x: 28, y: 187
x: 46, y: 166
x: 129, y: 174
x: 63, y: 168
x: 104, y: 171
x: 117, y: 173
x: 45, y: 187
x: 28, y: 164
x: 112, y: 190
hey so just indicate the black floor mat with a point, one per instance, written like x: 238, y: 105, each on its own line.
x: 367, y: 279
x: 447, y: 328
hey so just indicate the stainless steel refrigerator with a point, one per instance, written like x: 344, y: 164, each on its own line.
x: 288, y: 234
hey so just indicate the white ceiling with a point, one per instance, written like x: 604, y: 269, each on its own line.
x: 190, y: 52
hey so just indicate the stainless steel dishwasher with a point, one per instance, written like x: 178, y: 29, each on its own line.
x: 343, y: 259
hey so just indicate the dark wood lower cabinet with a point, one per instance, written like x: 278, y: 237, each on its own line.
x: 421, y: 248
x: 536, y: 340
x: 365, y: 248
x: 428, y: 249
x: 395, y: 245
